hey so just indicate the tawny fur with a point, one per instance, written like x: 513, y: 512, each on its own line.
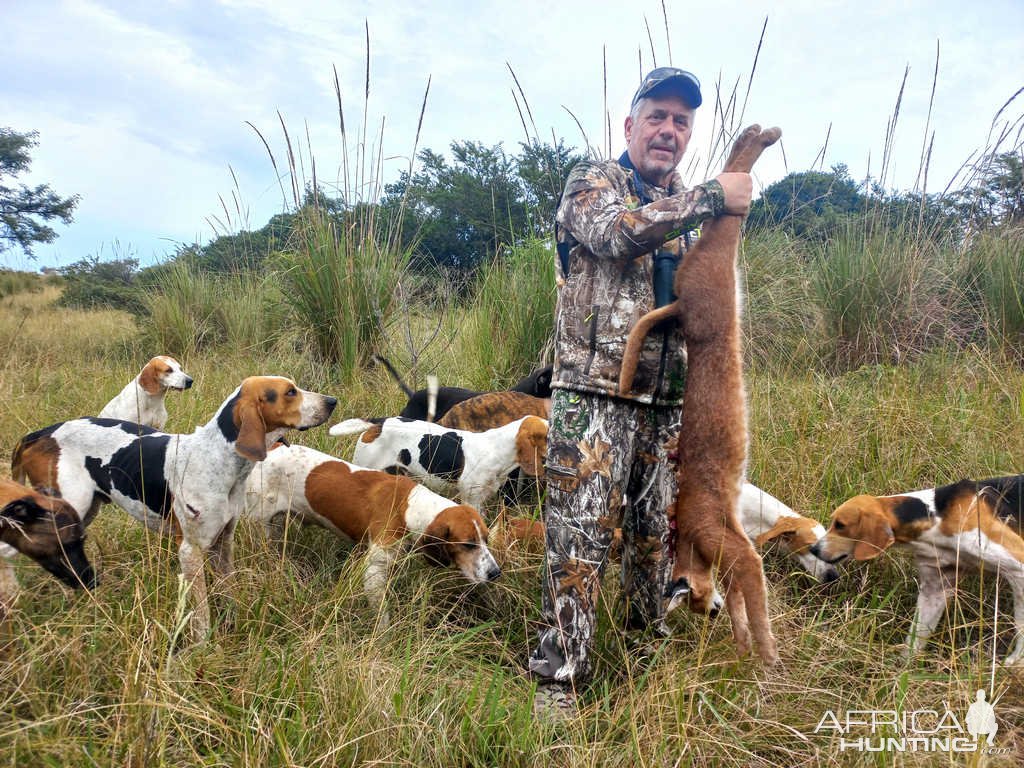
x: 713, y: 434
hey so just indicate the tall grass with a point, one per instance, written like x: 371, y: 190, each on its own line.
x: 781, y: 320
x: 13, y: 281
x: 511, y: 318
x: 993, y: 273
x: 190, y: 309
x: 879, y: 290
x: 341, y: 284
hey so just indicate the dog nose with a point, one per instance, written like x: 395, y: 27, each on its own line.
x: 330, y: 402
x: 830, y: 575
x: 493, y: 573
x: 815, y: 549
x: 188, y: 382
x: 713, y: 613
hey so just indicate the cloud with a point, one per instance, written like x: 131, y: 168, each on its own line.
x: 142, y: 108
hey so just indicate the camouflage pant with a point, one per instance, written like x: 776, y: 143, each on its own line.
x: 610, y: 464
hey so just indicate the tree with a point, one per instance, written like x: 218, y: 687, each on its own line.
x: 91, y: 283
x: 24, y: 209
x: 458, y: 213
x: 809, y: 203
x: 997, y: 197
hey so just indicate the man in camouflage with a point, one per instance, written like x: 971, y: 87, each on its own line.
x: 621, y: 228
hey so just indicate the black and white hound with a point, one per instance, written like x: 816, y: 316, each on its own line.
x: 192, y: 483
x: 472, y: 465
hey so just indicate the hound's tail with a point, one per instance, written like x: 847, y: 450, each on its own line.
x: 394, y: 374
x: 350, y: 427
x: 432, y: 390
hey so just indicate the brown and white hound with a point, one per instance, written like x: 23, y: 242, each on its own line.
x: 45, y: 529
x: 192, y: 484
x: 142, y: 399
x: 384, y: 511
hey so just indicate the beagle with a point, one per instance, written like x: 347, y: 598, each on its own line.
x: 381, y: 509
x: 193, y: 483
x: 967, y: 525
x: 48, y: 531
x: 142, y: 399
x: 449, y: 461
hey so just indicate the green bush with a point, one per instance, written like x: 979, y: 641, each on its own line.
x: 510, y: 319
x: 93, y: 284
x: 340, y: 283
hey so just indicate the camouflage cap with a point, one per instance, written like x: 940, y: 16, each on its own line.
x: 670, y: 79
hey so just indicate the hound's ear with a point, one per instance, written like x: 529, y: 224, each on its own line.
x: 784, y: 524
x: 432, y: 543
x: 873, y: 537
x: 21, y: 512
x: 251, y: 443
x: 531, y: 445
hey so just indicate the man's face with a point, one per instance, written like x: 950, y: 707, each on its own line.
x: 657, y: 139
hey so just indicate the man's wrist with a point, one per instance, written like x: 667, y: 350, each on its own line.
x: 716, y: 196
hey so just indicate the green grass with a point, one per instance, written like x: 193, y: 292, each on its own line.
x: 297, y: 675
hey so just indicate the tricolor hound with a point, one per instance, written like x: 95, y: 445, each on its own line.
x: 971, y: 525
x: 193, y: 483
x: 47, y: 530
x: 537, y: 384
x: 142, y: 399
x: 383, y: 510
x: 472, y: 465
x: 494, y: 409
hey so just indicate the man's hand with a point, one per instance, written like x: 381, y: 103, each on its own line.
x: 738, y: 190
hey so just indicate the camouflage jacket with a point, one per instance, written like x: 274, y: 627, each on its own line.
x: 611, y: 238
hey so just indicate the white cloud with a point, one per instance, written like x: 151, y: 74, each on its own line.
x: 142, y: 107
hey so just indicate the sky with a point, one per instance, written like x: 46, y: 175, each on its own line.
x: 153, y: 112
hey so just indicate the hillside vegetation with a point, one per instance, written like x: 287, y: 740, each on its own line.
x: 297, y: 674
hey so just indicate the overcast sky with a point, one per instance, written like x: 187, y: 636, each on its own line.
x: 142, y: 108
